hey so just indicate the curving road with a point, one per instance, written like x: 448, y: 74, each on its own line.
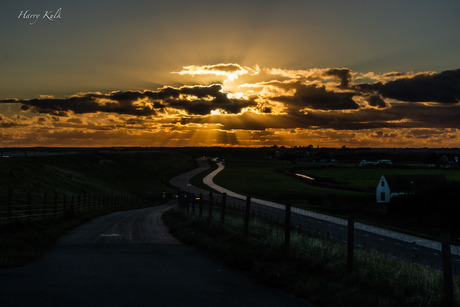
x: 130, y: 259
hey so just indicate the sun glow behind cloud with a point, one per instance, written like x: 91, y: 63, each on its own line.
x: 256, y: 106
x: 231, y: 71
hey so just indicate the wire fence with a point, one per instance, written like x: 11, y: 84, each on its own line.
x: 31, y: 206
x: 340, y: 244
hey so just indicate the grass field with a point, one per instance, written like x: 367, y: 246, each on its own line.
x: 93, y: 172
x: 265, y: 178
x: 366, y: 178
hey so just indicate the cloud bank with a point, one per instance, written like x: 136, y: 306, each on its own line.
x: 295, y: 106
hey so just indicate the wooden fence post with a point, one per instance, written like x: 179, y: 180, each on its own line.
x: 55, y: 203
x: 45, y: 200
x: 193, y: 204
x: 78, y: 202
x: 210, y: 207
x: 187, y: 202
x: 85, y: 202
x: 29, y: 206
x: 350, y: 243
x: 180, y: 200
x: 287, y: 224
x: 448, y: 295
x: 8, y: 204
x: 201, y: 205
x: 246, y: 216
x: 222, y: 211
x: 72, y: 203
x: 64, y: 201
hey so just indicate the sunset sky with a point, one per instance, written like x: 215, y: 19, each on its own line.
x: 230, y: 73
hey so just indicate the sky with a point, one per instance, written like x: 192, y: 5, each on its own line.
x: 230, y: 73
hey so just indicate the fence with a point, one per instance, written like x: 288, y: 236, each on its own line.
x: 220, y: 204
x: 29, y: 206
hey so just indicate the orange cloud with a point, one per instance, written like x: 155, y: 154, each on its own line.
x: 230, y: 70
x: 284, y: 107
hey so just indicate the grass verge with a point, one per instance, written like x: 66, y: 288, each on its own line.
x: 313, y: 268
x: 197, y: 180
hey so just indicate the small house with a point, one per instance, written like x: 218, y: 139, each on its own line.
x: 390, y: 186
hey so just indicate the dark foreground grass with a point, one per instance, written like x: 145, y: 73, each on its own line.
x: 305, y: 275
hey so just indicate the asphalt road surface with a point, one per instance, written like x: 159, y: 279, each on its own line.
x: 130, y: 259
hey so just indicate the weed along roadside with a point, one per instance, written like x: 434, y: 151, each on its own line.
x: 300, y: 262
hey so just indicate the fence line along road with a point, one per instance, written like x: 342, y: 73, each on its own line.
x: 209, y: 181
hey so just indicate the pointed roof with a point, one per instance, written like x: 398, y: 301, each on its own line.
x: 404, y: 183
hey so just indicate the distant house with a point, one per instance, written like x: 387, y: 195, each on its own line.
x: 448, y: 163
x: 390, y: 186
x: 383, y: 162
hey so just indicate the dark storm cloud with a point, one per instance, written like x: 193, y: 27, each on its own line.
x: 194, y: 99
x: 230, y: 67
x: 9, y: 100
x: 376, y: 101
x: 203, y: 99
x: 342, y: 74
x: 8, y: 125
x: 400, y: 116
x: 59, y: 107
x: 317, y: 97
x: 443, y: 87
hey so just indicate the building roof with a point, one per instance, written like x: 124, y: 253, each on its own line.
x: 404, y: 183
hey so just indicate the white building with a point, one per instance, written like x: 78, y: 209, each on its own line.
x: 390, y: 186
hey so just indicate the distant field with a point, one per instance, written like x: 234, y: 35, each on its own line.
x: 275, y: 179
x: 265, y: 178
x: 366, y: 178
